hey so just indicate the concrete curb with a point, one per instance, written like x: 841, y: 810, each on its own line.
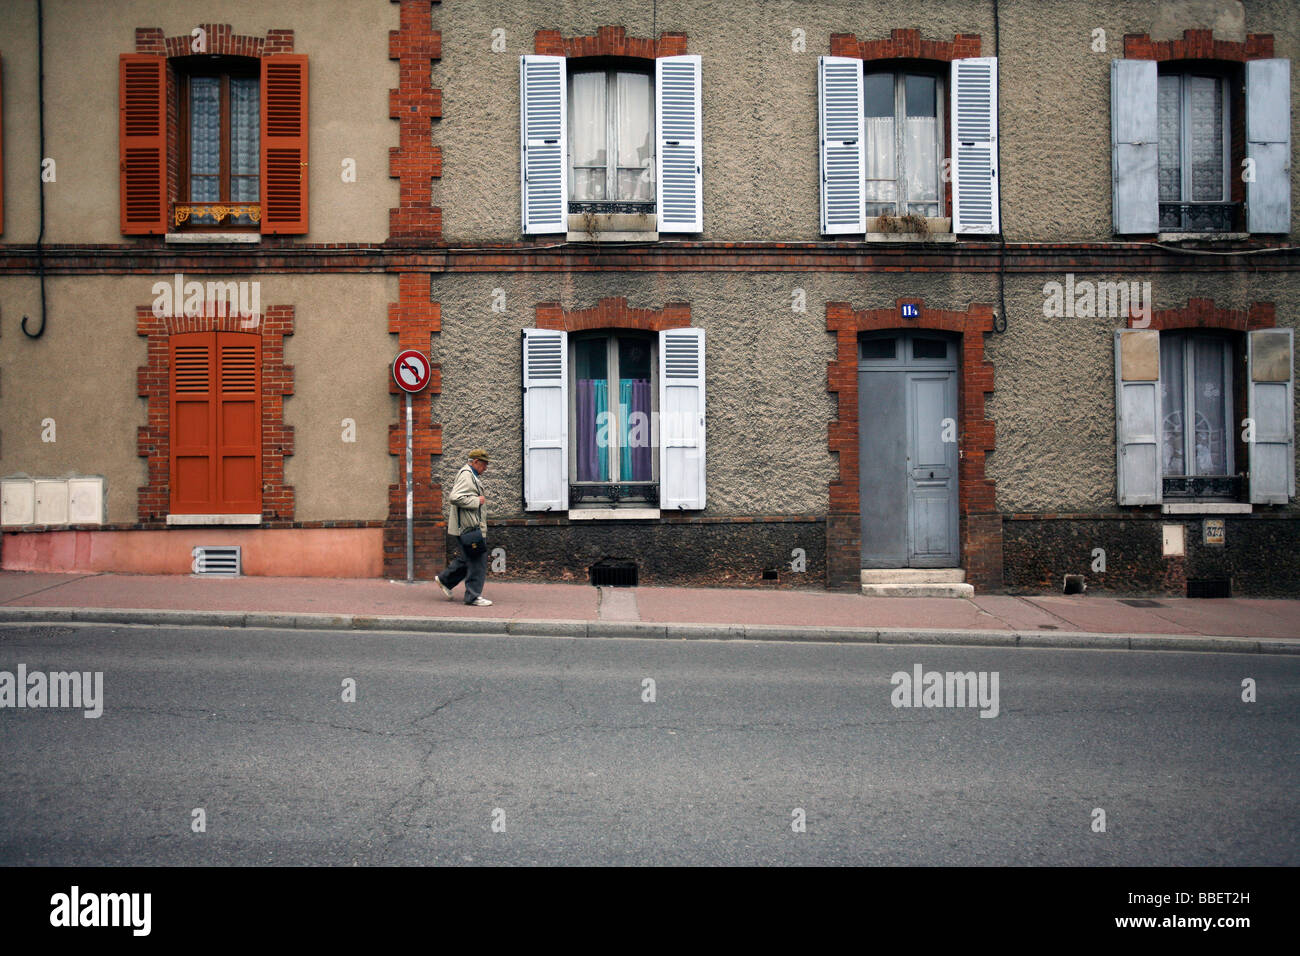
x: 953, y: 637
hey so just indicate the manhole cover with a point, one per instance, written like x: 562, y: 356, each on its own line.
x: 1140, y: 602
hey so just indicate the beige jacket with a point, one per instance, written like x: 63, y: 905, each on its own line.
x: 465, y: 512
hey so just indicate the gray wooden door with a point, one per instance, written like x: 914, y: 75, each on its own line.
x: 907, y: 430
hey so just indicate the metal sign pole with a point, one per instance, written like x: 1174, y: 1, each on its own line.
x: 410, y: 499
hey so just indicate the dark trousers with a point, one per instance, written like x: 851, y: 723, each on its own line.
x: 472, y: 571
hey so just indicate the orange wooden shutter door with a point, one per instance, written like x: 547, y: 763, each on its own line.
x: 193, y: 423
x: 284, y: 144
x: 142, y: 143
x: 239, y: 423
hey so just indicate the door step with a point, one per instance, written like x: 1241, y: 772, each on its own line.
x: 916, y: 582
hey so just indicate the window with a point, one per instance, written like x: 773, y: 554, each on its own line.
x: 219, y: 125
x: 216, y: 423
x: 1196, y: 435
x: 1172, y: 161
x: 613, y: 416
x: 1194, y: 153
x: 1178, y: 411
x: 239, y: 140
x: 883, y: 144
x: 611, y: 140
x: 904, y: 144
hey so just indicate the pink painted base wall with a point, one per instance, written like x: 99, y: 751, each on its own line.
x: 287, y: 552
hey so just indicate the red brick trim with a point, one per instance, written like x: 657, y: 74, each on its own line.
x: 415, y: 104
x: 906, y: 43
x: 976, y: 492
x: 152, y: 383
x: 221, y: 39
x: 415, y: 320
x: 613, y: 314
x: 1198, y: 45
x: 1204, y: 314
x: 608, y: 41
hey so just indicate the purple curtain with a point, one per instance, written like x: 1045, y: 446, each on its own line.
x: 592, y: 402
x: 635, y: 461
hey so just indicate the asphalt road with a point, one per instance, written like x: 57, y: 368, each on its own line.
x: 488, y: 750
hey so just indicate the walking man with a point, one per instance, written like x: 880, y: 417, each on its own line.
x: 467, y: 523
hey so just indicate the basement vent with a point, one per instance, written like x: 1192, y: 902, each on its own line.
x: 617, y: 574
x: 1209, y: 587
x: 771, y: 574
x: 217, y: 562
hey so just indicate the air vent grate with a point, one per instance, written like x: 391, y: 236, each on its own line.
x: 1209, y: 587
x: 617, y: 574
x: 223, y: 561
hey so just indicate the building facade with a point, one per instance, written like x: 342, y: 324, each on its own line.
x: 744, y: 293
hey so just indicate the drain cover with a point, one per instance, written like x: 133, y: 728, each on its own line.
x: 1140, y: 602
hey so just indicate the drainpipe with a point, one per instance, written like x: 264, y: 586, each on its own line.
x: 40, y: 108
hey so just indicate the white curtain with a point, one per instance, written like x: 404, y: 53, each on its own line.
x: 881, y: 147
x: 1211, y: 427
x: 636, y: 158
x: 205, y: 139
x: 587, y: 126
x: 1205, y: 138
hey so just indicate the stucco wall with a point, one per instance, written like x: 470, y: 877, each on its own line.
x: 82, y: 373
x: 760, y: 100
x: 1055, y: 400
x: 349, y: 79
x: 767, y: 404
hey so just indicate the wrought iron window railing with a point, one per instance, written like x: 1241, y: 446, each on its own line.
x: 1198, y: 216
x: 642, y: 492
x: 1225, y: 487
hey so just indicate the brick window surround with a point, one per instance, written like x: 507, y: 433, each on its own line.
x: 1204, y: 314
x: 415, y: 320
x: 613, y: 314
x: 153, y: 384
x: 608, y: 41
x: 981, y: 526
x: 907, y: 44
x: 220, y: 39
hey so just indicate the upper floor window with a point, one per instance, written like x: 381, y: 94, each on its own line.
x: 904, y: 143
x: 611, y: 138
x: 1174, y: 165
x: 884, y: 150
x: 220, y: 121
x: 1194, y: 153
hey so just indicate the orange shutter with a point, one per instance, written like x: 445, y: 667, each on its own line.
x: 239, y: 425
x: 2, y: 148
x: 284, y: 144
x: 216, y: 423
x: 142, y: 143
x: 193, y: 423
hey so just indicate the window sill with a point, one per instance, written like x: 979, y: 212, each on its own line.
x: 213, y: 238
x: 213, y: 519
x: 911, y: 237
x: 1201, y: 236
x: 1205, y: 508
x: 613, y: 227
x: 612, y: 514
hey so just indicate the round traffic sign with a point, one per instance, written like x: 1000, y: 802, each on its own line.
x: 411, y: 370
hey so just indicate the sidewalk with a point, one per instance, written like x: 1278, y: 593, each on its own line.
x: 1250, y: 625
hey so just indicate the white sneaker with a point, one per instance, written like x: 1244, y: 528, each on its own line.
x: 480, y: 602
x: 443, y: 587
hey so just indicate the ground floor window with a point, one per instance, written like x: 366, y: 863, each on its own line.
x: 613, y: 412
x: 1196, y: 405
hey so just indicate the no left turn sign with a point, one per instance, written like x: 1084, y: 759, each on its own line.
x: 411, y: 370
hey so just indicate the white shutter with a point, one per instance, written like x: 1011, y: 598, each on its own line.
x: 1271, y: 385
x: 1268, y: 143
x: 975, y: 145
x: 543, y: 141
x: 681, y: 419
x: 680, y: 204
x: 1134, y: 141
x: 546, y: 420
x: 839, y: 89
x: 1137, y: 417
